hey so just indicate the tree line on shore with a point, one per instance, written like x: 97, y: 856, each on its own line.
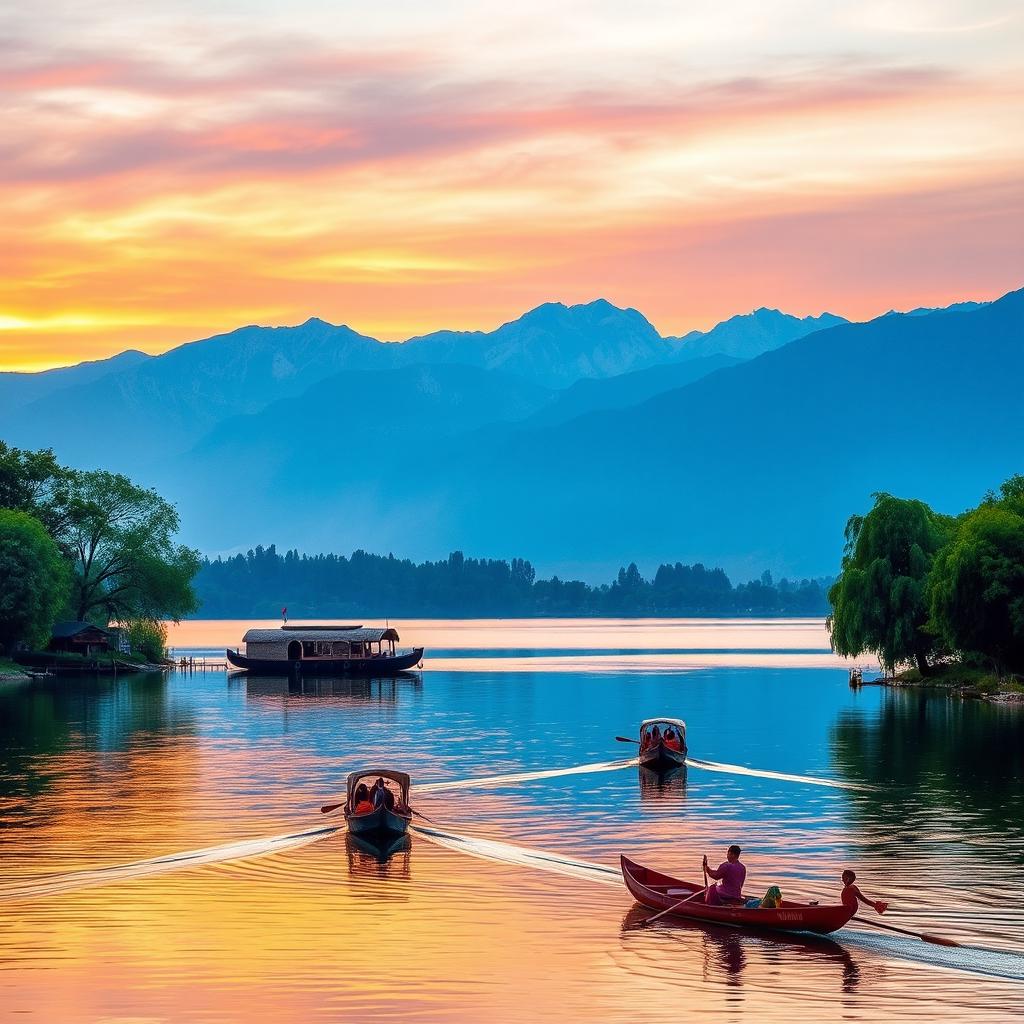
x: 262, y: 581
x: 924, y: 589
x: 87, y: 546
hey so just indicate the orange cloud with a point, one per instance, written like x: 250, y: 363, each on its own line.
x: 401, y: 189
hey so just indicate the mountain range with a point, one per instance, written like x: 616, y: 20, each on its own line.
x: 577, y: 436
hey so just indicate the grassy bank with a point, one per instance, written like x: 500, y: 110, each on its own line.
x: 969, y: 680
x: 10, y: 670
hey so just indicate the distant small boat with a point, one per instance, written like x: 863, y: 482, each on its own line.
x: 656, y: 891
x: 655, y: 753
x: 324, y: 651
x: 384, y: 817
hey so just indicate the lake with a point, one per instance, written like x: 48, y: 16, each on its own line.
x: 163, y: 858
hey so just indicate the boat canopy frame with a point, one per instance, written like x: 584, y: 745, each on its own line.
x: 676, y: 723
x: 401, y: 779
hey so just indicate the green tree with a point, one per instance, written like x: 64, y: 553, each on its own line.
x: 880, y: 600
x: 148, y: 637
x: 34, y: 482
x: 120, y: 539
x: 977, y: 586
x: 34, y: 580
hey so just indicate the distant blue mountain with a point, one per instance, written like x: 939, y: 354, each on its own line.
x: 18, y: 389
x: 590, y: 395
x: 762, y: 463
x: 575, y: 434
x: 153, y: 406
x: 553, y: 344
x: 751, y: 334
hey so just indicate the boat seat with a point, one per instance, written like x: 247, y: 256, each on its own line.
x: 680, y: 892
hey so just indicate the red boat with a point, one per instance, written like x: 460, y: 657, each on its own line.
x: 660, y: 892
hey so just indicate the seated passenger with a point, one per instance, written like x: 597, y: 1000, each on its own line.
x: 363, y: 807
x: 672, y: 740
x: 655, y: 736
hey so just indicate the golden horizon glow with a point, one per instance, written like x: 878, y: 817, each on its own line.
x: 174, y: 174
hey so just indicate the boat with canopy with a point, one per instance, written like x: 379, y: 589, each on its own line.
x: 377, y: 804
x: 662, y: 743
x: 324, y: 651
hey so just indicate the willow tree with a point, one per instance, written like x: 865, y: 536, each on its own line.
x: 880, y: 602
x: 977, y: 589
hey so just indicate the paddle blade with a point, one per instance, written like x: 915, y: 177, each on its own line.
x: 327, y: 808
x: 940, y: 940
x: 626, y: 739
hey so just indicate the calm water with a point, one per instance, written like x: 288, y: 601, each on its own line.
x: 158, y: 861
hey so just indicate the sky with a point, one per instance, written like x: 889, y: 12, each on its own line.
x: 170, y: 171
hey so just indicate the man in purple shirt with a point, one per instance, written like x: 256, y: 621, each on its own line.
x: 730, y: 875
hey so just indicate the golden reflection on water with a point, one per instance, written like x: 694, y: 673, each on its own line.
x: 329, y: 932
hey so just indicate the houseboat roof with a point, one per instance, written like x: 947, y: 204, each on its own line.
x: 284, y: 636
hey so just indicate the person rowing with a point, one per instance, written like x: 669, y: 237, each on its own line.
x: 852, y: 896
x: 730, y: 875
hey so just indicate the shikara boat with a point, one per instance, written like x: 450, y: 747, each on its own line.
x: 662, y: 892
x: 390, y: 815
x: 324, y: 651
x: 655, y: 753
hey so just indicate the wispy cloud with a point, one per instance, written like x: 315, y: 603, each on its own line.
x: 175, y: 171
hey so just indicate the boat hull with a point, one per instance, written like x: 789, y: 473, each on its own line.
x: 372, y: 667
x: 661, y: 892
x: 380, y: 824
x: 660, y: 758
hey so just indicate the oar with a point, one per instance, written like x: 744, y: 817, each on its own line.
x: 627, y: 739
x: 685, y: 899
x: 937, y: 940
x: 651, y: 920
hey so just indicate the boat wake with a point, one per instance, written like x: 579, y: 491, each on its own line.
x: 489, y: 849
x: 520, y: 856
x: 763, y: 773
x: 484, y: 781
x: 52, y: 885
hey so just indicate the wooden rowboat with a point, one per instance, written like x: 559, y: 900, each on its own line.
x: 386, y: 821
x: 661, y: 892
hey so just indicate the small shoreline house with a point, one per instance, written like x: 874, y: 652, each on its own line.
x: 79, y: 638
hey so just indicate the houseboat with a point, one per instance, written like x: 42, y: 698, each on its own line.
x: 324, y: 651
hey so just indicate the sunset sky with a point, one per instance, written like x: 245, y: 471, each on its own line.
x: 168, y: 171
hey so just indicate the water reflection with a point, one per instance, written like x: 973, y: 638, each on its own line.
x: 389, y: 858
x: 667, y: 786
x: 931, y: 753
x: 726, y: 952
x: 326, y: 690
